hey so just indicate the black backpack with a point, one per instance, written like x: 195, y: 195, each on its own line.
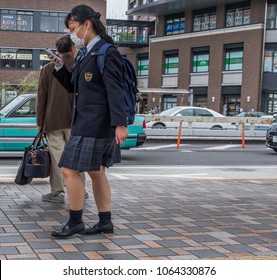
x: 129, y: 80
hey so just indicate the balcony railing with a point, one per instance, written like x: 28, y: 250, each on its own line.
x: 129, y: 33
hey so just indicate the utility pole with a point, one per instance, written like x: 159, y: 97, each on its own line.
x: 3, y: 94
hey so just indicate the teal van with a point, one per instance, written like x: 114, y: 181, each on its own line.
x: 18, y: 126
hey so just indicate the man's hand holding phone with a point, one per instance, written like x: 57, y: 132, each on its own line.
x: 54, y: 57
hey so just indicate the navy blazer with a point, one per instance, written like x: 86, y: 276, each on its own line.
x: 99, y: 104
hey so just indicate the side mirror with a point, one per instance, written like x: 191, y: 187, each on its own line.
x: 180, y: 115
x: 275, y: 115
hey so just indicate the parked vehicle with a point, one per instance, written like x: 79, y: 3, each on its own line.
x: 271, y: 135
x: 18, y: 126
x: 251, y: 114
x: 254, y: 114
x: 189, y: 111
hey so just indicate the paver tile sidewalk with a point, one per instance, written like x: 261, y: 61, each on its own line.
x: 154, y: 219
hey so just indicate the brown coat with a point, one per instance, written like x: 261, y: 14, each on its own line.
x: 54, y: 103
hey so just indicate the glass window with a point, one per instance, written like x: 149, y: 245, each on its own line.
x: 52, y: 22
x: 188, y: 112
x: 202, y: 112
x: 270, y: 60
x: 16, y: 20
x: 204, y: 20
x: 234, y: 60
x: 238, y: 16
x: 201, y: 62
x: 143, y: 66
x: 200, y: 100
x: 171, y: 64
x: 16, y: 58
x: 272, y: 102
x: 8, y: 58
x: 169, y: 102
x: 28, y: 109
x: 43, y: 59
x: 271, y: 19
x: 175, y: 25
x: 24, y: 59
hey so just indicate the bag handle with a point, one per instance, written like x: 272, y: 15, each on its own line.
x: 40, y: 138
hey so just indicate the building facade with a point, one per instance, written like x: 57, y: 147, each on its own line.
x: 220, y: 54
x: 27, y: 27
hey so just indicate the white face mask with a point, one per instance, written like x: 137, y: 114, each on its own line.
x: 79, y: 43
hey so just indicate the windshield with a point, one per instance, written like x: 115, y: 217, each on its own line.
x: 10, y: 105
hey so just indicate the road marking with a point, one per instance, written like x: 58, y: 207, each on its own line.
x: 160, y: 147
x: 192, y: 167
x: 132, y: 175
x: 224, y: 147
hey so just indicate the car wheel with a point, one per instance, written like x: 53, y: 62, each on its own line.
x: 159, y: 126
x: 217, y: 127
x: 275, y: 150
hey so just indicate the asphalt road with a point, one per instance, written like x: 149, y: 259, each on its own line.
x: 200, y: 154
x: 191, y: 161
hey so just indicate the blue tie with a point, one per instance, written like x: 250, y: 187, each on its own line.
x: 81, y: 54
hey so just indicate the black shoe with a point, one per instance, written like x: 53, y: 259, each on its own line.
x: 67, y: 231
x: 108, y: 228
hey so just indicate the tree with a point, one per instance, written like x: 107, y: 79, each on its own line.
x: 29, y: 83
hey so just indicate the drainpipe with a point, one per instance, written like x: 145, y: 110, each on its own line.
x: 263, y: 56
x: 149, y: 51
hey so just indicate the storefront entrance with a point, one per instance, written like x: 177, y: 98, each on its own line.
x: 271, y: 102
x: 231, y: 105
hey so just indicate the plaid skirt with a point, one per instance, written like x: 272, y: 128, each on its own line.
x: 88, y: 153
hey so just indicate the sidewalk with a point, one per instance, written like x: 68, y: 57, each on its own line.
x: 163, y: 219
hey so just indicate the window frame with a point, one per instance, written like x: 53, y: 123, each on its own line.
x: 140, y: 72
x: 230, y: 51
x: 167, y: 62
x: 175, y: 21
x: 197, y: 54
x: 234, y: 9
x: 18, y: 19
x: 47, y: 17
x: 204, y: 14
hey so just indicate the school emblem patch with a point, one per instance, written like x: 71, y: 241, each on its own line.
x: 88, y: 76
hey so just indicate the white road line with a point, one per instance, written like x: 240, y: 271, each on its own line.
x: 224, y: 147
x: 123, y: 176
x: 160, y: 147
x: 192, y: 166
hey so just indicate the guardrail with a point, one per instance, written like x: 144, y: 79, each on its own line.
x: 244, y: 128
x: 237, y: 133
x: 237, y: 120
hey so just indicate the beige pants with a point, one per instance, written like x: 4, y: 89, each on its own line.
x: 56, y: 140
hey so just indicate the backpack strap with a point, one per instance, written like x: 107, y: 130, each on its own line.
x: 101, y: 55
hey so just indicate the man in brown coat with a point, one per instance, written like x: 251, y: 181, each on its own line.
x: 54, y: 111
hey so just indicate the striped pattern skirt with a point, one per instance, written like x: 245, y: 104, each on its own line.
x: 88, y: 153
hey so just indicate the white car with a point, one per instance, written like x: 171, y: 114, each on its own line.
x: 189, y: 111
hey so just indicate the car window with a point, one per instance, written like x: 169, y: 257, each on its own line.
x: 242, y: 114
x: 186, y: 112
x: 261, y: 114
x: 170, y: 111
x: 203, y: 112
x: 10, y: 105
x: 28, y: 109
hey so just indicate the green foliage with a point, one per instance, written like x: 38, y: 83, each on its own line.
x: 29, y: 83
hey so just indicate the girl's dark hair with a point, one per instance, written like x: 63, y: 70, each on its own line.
x: 81, y: 13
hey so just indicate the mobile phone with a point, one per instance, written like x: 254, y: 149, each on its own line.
x: 49, y: 52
